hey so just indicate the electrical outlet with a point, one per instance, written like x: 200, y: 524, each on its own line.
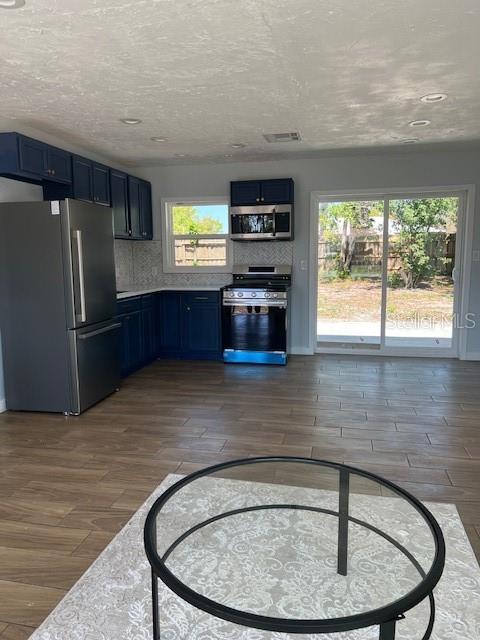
x: 476, y: 255
x: 303, y: 265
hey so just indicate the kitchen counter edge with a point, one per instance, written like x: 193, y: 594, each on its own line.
x: 142, y: 292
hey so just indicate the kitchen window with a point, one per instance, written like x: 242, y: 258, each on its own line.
x: 195, y: 236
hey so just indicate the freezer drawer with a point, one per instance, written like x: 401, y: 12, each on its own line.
x: 95, y: 363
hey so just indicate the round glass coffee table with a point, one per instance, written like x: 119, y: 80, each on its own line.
x: 297, y: 546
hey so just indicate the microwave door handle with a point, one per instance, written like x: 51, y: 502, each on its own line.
x: 81, y: 276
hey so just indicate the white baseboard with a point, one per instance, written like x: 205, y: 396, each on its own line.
x: 3, y: 405
x: 301, y: 351
x: 472, y: 355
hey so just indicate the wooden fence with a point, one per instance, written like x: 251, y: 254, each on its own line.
x: 204, y: 253
x: 367, y: 255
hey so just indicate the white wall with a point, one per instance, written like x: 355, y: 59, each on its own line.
x: 402, y: 169
x: 11, y: 191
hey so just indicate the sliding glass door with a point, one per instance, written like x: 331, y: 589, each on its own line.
x: 350, y: 253
x: 386, y: 273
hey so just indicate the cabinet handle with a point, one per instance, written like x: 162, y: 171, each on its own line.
x: 129, y: 232
x: 258, y: 199
x: 53, y: 172
x: 263, y: 199
x: 188, y: 308
x: 201, y: 297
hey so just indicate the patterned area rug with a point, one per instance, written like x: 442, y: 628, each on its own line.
x: 277, y: 562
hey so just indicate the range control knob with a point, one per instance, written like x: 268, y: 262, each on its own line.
x: 267, y: 295
x: 254, y: 295
x: 275, y: 295
x: 240, y: 294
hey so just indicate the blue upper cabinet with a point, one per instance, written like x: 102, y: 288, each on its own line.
x: 277, y: 191
x: 253, y: 192
x: 91, y: 181
x: 32, y: 156
x: 24, y: 158
x: 82, y: 178
x: 66, y: 175
x: 59, y: 165
x: 245, y: 192
x: 146, y: 223
x: 134, y: 207
x: 140, y: 207
x: 119, y: 193
x: 101, y: 184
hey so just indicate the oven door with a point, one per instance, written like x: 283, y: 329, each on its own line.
x: 255, y: 332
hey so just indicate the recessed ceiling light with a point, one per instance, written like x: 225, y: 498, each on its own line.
x: 420, y: 123
x: 158, y: 139
x: 409, y: 140
x: 130, y: 120
x: 434, y: 97
x: 11, y: 4
x: 180, y: 155
x: 237, y: 145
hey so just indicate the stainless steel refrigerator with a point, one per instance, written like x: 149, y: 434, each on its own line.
x: 60, y: 341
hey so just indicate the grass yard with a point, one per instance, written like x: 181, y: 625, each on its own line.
x: 359, y: 300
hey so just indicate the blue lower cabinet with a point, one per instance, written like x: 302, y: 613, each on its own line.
x: 190, y: 325
x: 149, y: 327
x: 131, y: 349
x: 129, y: 314
x: 202, y: 327
x: 169, y: 314
x: 171, y: 324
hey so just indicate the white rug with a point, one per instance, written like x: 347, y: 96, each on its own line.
x: 287, y: 568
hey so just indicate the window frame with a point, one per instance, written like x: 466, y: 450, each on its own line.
x: 168, y: 237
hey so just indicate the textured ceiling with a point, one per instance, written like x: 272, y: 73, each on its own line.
x: 208, y: 73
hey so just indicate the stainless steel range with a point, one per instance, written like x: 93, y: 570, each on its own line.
x: 255, y: 314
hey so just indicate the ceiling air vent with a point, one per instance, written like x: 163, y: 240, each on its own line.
x: 282, y: 137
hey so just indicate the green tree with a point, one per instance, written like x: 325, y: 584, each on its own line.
x: 186, y: 221
x: 413, y: 220
x: 343, y: 222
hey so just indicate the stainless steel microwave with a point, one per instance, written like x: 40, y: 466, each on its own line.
x: 262, y: 222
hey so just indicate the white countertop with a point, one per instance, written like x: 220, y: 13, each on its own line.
x: 142, y: 292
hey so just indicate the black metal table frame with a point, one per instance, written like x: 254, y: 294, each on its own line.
x: 385, y: 617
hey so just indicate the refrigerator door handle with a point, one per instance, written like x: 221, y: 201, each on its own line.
x: 81, y: 276
x: 111, y: 327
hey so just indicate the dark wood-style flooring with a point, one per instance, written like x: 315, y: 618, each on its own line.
x: 67, y: 485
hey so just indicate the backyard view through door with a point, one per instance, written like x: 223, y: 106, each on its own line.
x: 386, y: 272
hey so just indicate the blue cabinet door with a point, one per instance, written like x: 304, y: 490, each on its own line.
x: 82, y: 170
x: 245, y: 192
x: 101, y: 184
x: 131, y: 345
x: 149, y: 334
x: 119, y: 195
x: 169, y: 314
x: 59, y: 165
x: 145, y: 207
x: 202, y: 326
x: 277, y: 191
x: 32, y: 156
x: 134, y: 207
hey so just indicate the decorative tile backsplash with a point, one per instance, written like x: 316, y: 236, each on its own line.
x: 139, y: 264
x: 124, y: 264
